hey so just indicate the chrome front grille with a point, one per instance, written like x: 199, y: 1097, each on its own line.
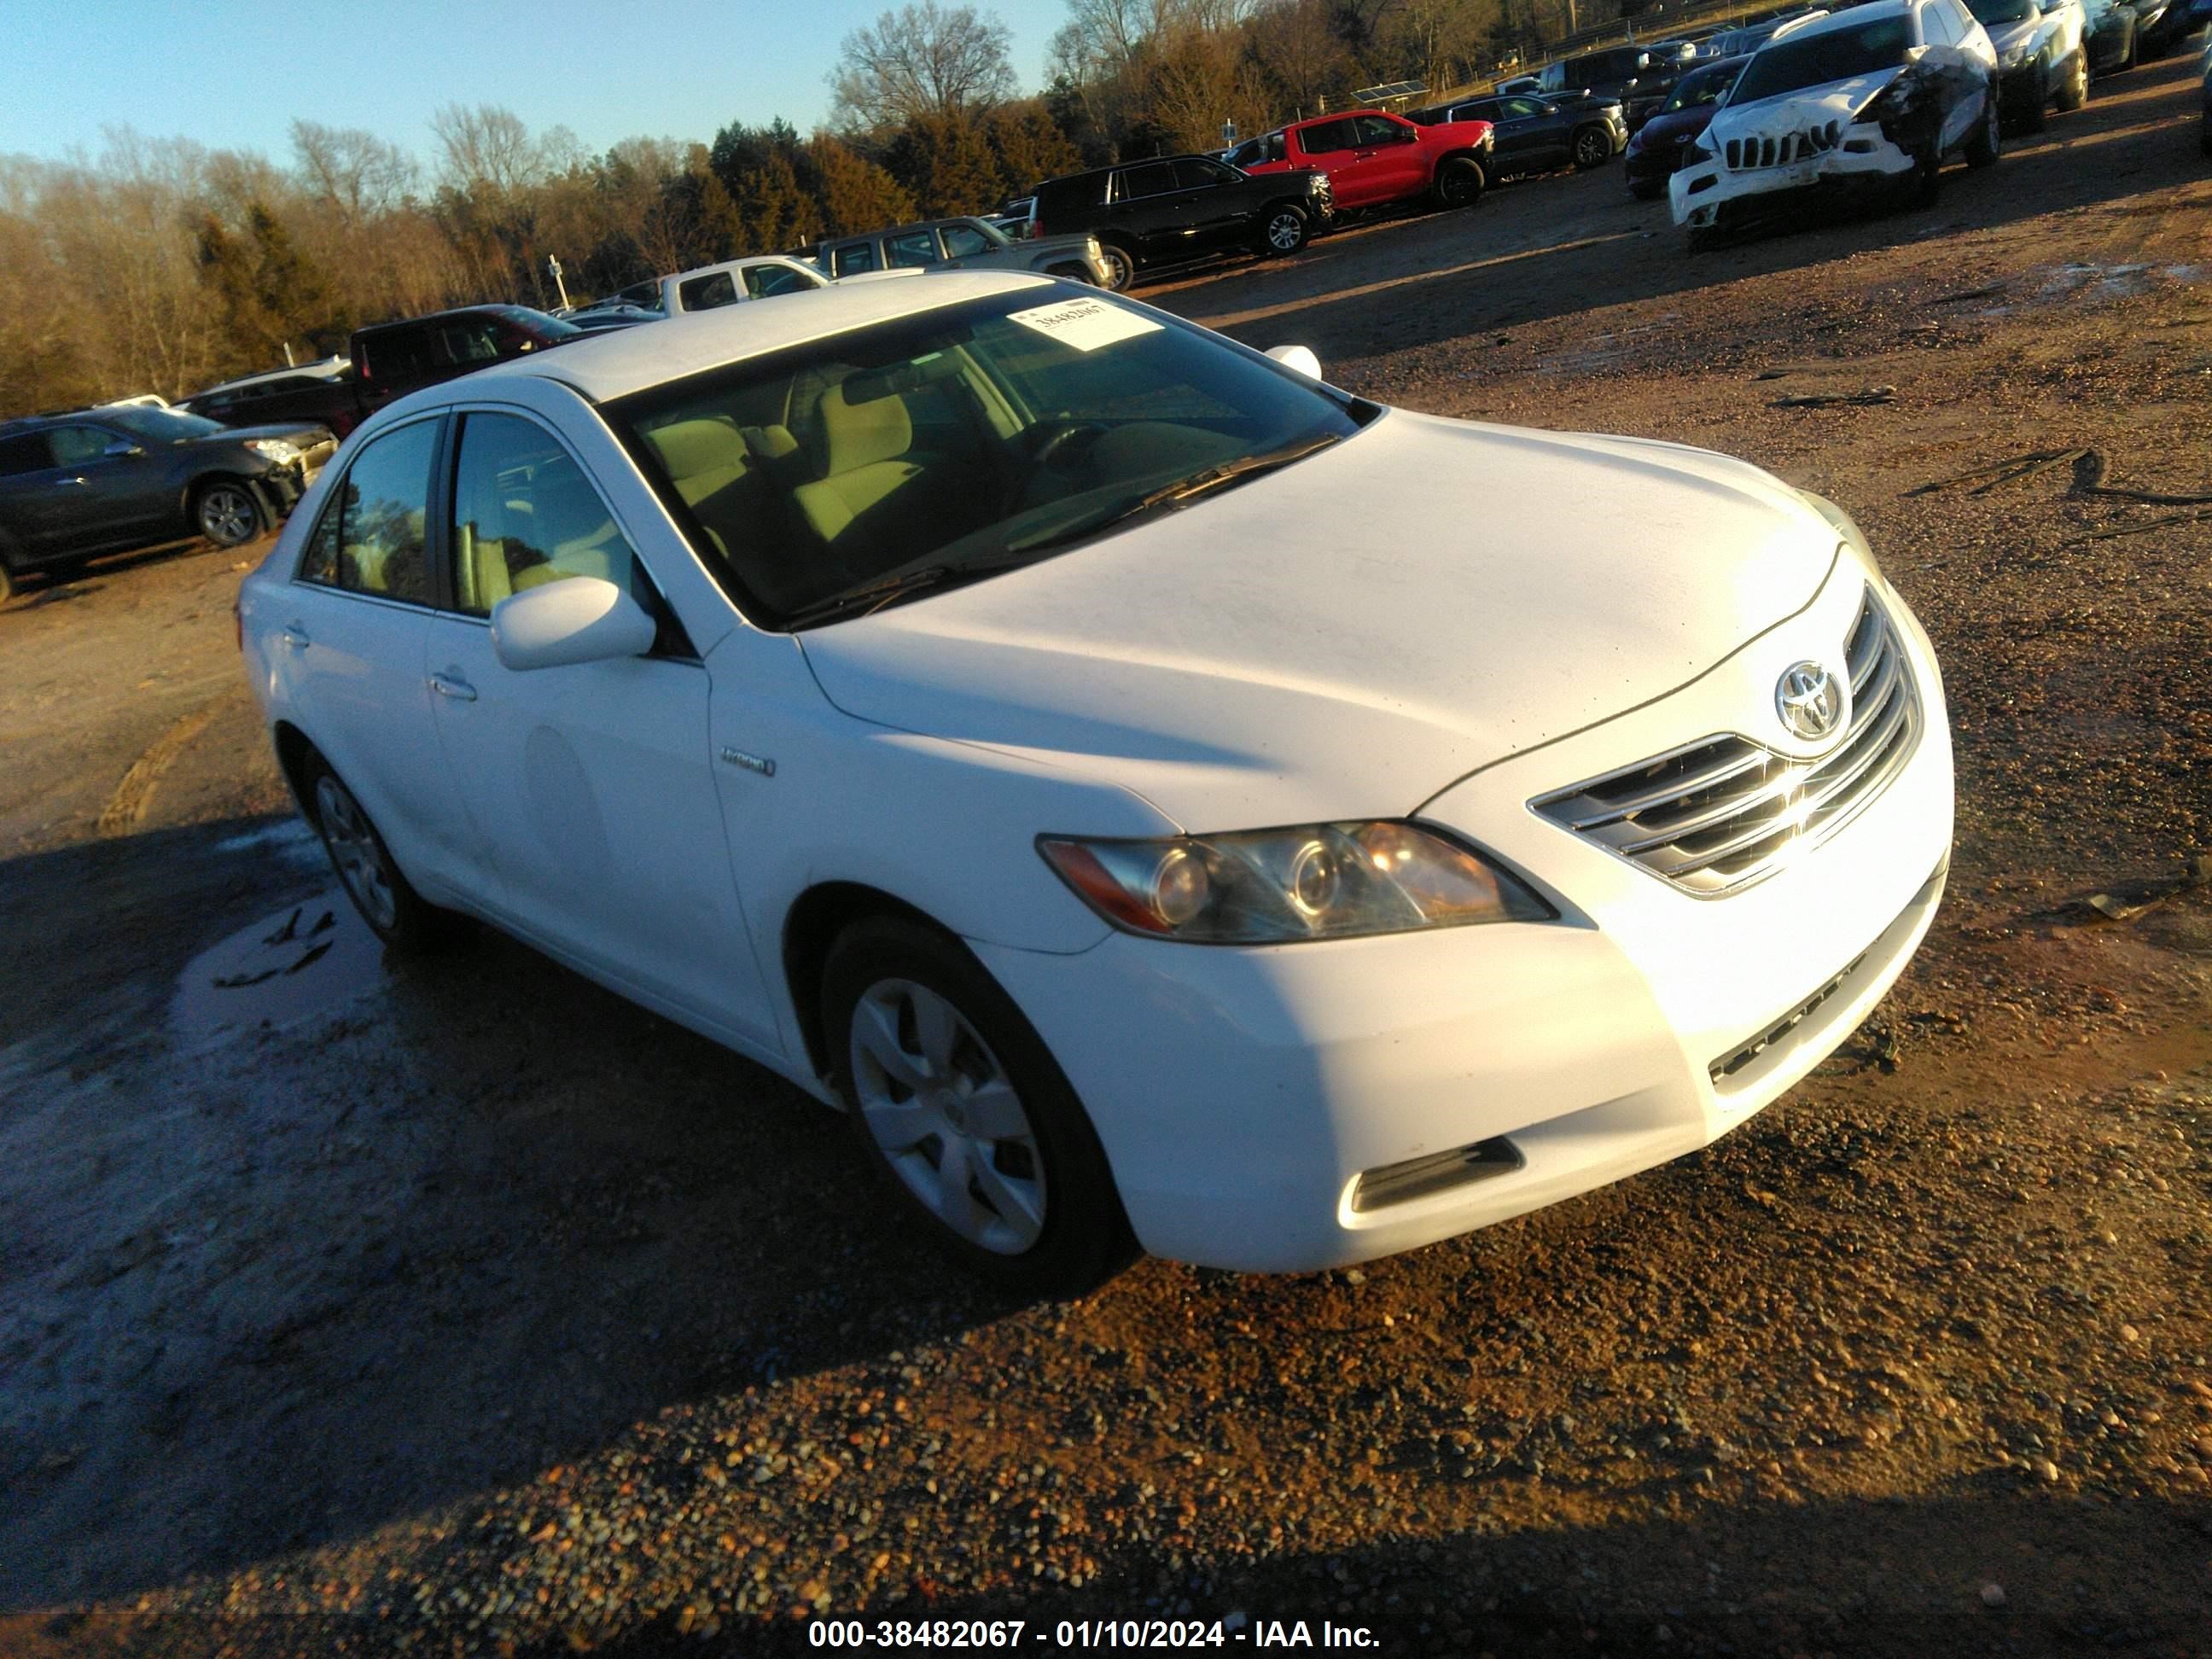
x: 1744, y: 154
x: 1725, y: 812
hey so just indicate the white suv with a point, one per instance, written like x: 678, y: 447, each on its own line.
x: 1836, y: 103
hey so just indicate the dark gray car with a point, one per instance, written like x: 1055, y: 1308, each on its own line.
x: 962, y: 245
x: 1534, y: 134
x: 109, y: 479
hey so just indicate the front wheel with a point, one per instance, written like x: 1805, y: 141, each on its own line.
x: 226, y: 512
x: 1460, y: 182
x: 394, y: 911
x: 1285, y: 231
x: 2036, y: 118
x: 1070, y: 274
x: 960, y: 1109
x: 1121, y: 268
x: 1593, y: 149
x: 1982, y: 149
x: 2073, y: 88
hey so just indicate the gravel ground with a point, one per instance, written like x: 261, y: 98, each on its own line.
x: 457, y: 1306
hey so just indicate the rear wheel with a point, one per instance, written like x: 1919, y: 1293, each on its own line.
x: 394, y: 911
x: 226, y: 512
x: 1982, y: 148
x: 960, y: 1111
x: 2073, y: 85
x: 1121, y: 268
x: 1593, y: 148
x: 1285, y: 231
x: 1460, y: 182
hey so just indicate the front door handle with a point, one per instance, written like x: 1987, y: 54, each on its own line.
x: 58, y: 482
x: 449, y: 685
x: 296, y: 636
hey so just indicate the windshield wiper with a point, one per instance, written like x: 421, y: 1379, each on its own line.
x: 873, y: 596
x: 1185, y: 488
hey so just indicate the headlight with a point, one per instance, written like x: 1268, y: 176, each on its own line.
x: 1271, y: 886
x: 274, y: 448
x: 2014, y: 55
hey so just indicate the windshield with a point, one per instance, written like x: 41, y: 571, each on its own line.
x: 162, y: 426
x: 969, y: 437
x: 1836, y: 55
x: 2004, y: 11
x: 1702, y: 87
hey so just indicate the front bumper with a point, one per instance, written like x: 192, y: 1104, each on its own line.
x: 1710, y: 193
x: 1261, y: 1108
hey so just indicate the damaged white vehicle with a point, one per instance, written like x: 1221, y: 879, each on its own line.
x: 1840, y: 103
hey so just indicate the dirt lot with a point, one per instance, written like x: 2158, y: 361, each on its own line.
x: 459, y: 1305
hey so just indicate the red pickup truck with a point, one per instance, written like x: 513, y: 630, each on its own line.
x: 1373, y: 159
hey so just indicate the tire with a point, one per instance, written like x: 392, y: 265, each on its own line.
x: 2036, y: 118
x: 1983, y: 147
x: 1593, y: 148
x: 2074, y: 86
x: 394, y: 911
x: 1283, y: 231
x: 7, y: 584
x: 1070, y: 274
x: 1460, y: 183
x: 943, y: 1077
x: 1927, y: 178
x: 1646, y: 190
x: 224, y: 511
x: 1121, y: 268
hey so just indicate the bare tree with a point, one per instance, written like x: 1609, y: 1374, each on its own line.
x: 923, y: 62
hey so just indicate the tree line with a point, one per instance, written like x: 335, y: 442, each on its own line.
x: 161, y: 266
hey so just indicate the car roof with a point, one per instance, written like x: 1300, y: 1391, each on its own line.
x: 326, y: 368
x: 1826, y: 22
x: 619, y: 362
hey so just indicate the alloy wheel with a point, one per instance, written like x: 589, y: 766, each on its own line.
x: 1591, y: 149
x: 356, y: 853
x: 1285, y: 232
x: 947, y: 1117
x: 1120, y: 269
x: 228, y: 515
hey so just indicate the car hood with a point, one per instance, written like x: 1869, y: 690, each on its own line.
x: 1348, y: 636
x: 1675, y: 126
x: 2005, y: 36
x: 1809, y: 106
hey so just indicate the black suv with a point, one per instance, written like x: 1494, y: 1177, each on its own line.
x: 107, y: 480
x: 321, y: 393
x: 1147, y: 214
x: 393, y: 359
x: 1640, y: 79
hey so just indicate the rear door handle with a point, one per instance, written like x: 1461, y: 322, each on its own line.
x: 446, y: 685
x: 296, y: 636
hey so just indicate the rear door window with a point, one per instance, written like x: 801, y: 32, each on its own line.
x: 397, y: 354
x: 854, y: 258
x: 915, y: 248
x: 28, y: 452
x: 1326, y: 138
x: 370, y: 539
x: 764, y: 282
x: 1153, y: 179
x: 708, y: 293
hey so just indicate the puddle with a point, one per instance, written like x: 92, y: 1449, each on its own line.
x: 2080, y: 284
x: 291, y: 840
x: 306, y: 959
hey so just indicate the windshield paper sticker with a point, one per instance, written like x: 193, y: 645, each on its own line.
x: 1085, y: 325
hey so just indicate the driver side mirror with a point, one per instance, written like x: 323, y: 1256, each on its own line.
x: 1299, y: 360
x: 576, y: 619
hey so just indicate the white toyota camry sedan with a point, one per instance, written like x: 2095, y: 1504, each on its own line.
x: 1167, y: 801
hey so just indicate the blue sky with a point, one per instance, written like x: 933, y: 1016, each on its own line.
x: 233, y: 74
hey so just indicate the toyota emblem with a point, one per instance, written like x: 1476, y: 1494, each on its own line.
x: 1810, y: 700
